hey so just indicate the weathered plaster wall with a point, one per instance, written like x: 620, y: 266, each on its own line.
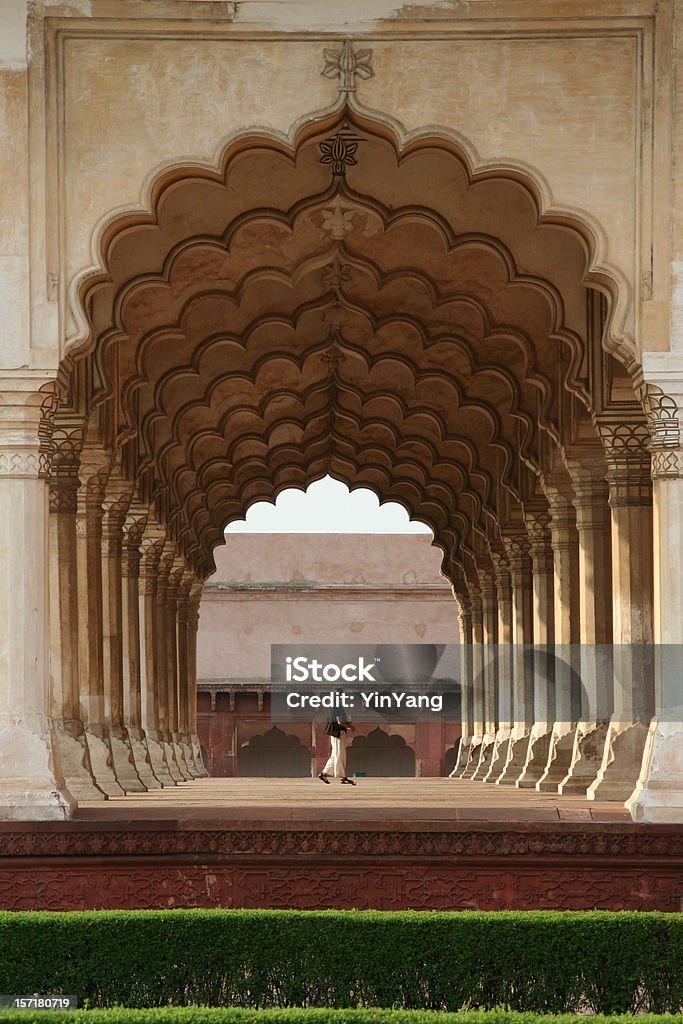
x: 563, y: 91
x: 320, y: 588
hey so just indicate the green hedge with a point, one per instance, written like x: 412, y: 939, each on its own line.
x: 200, y: 1015
x: 530, y: 961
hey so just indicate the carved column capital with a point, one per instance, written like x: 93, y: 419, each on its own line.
x: 627, y: 453
x: 538, y: 529
x: 151, y: 549
x: 518, y: 550
x: 133, y: 532
x: 664, y: 414
x: 27, y: 406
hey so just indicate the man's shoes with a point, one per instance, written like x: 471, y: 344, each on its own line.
x: 347, y: 781
x: 324, y: 778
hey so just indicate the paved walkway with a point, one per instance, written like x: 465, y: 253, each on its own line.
x: 371, y: 800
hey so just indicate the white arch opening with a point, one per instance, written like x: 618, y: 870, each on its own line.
x: 327, y: 506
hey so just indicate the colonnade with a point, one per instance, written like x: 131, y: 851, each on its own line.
x: 123, y: 625
x: 570, y: 706
x: 99, y: 657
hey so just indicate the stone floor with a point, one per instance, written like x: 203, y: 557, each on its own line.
x: 385, y: 800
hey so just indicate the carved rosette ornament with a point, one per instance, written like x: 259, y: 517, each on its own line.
x: 340, y: 151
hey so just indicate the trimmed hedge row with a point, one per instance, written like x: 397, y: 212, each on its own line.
x: 203, y: 1015
x: 543, y: 962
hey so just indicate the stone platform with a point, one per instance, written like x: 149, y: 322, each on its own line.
x: 386, y: 843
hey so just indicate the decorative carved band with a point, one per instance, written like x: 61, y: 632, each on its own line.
x: 667, y: 464
x: 23, y: 463
x: 626, y: 841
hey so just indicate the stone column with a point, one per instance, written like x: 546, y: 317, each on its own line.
x: 31, y: 786
x: 94, y: 471
x: 152, y: 547
x: 192, y: 627
x: 658, y: 796
x: 182, y: 644
x: 505, y: 670
x: 173, y: 587
x: 489, y: 609
x: 630, y: 496
x: 477, y: 620
x: 133, y: 530
x: 69, y: 731
x: 115, y: 507
x: 162, y: 626
x: 466, y: 694
x: 538, y: 526
x: 595, y: 602
x: 521, y: 579
x: 566, y: 615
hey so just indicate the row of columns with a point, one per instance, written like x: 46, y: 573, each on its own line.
x: 124, y: 616
x: 97, y: 659
x: 561, y: 711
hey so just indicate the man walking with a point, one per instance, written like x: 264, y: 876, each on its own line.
x: 336, y: 729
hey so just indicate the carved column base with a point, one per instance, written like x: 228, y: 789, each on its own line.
x: 142, y: 759
x: 462, y: 758
x: 188, y: 754
x: 157, y: 758
x: 474, y: 752
x: 499, y: 757
x: 658, y: 796
x: 179, y: 755
x: 518, y: 749
x: 559, y: 757
x: 621, y: 762
x: 169, y: 757
x: 488, y: 745
x: 589, y: 746
x: 101, y: 760
x: 537, y: 757
x: 197, y: 759
x: 72, y: 753
x: 124, y: 762
x: 30, y: 788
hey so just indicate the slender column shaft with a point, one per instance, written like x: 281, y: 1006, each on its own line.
x: 112, y: 611
x: 630, y: 497
x: 490, y: 639
x: 131, y: 647
x: 505, y: 711
x: 94, y: 472
x: 521, y: 582
x: 69, y: 734
x: 542, y: 560
x: 658, y: 796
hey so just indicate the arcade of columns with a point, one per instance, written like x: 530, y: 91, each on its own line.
x: 353, y: 303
